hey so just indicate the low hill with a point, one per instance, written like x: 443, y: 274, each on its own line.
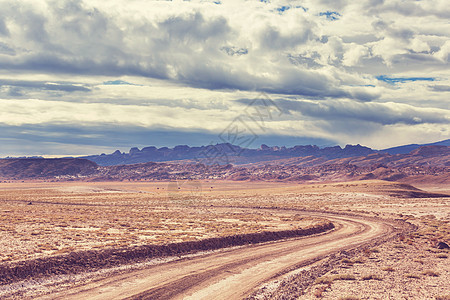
x: 437, y: 156
x: 408, y: 148
x: 39, y: 168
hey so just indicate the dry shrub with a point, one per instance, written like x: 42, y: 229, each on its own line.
x: 367, y: 251
x: 324, y: 280
x: 329, y: 279
x: 344, y: 277
x: 430, y: 273
x: 347, y: 261
x: 372, y: 277
x: 358, y: 260
x: 319, y: 291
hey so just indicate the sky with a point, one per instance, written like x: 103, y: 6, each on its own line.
x: 86, y: 77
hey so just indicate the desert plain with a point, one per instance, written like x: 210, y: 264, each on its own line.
x: 383, y: 243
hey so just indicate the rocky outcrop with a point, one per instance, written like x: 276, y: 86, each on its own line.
x: 225, y: 153
x: 39, y: 168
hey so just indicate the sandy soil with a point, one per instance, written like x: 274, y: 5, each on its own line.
x: 72, y: 216
x: 396, y: 270
x: 43, y: 219
x: 232, y: 274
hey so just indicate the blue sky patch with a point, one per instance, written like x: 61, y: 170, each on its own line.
x: 331, y: 15
x: 284, y: 8
x: 117, y: 82
x: 395, y: 80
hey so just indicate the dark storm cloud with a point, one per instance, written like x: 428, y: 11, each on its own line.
x: 272, y: 38
x: 440, y: 88
x: 290, y: 81
x: 191, y: 59
x: 73, y: 38
x: 3, y: 29
x: 379, y: 113
x: 410, y: 8
x: 41, y: 139
x: 194, y: 27
x: 5, y: 49
x: 48, y: 63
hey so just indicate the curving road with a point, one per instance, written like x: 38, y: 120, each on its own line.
x: 234, y: 273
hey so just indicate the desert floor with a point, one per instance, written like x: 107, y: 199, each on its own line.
x: 44, y: 219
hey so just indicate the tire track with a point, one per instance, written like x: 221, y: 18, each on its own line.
x: 234, y: 273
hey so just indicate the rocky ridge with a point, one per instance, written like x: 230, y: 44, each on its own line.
x: 225, y: 153
x: 429, y: 162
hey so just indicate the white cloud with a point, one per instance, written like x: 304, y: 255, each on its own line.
x: 419, y: 45
x: 191, y: 61
x: 444, y: 52
x: 354, y: 54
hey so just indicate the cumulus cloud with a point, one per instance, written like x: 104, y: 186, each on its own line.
x: 354, y: 54
x: 444, y: 52
x: 191, y: 62
x: 381, y: 113
x: 75, y: 38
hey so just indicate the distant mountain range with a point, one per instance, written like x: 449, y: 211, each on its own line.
x: 424, y: 164
x: 223, y: 154
x: 408, y: 148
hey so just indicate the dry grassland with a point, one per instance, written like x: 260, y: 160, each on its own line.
x: 45, y: 219
x: 72, y: 216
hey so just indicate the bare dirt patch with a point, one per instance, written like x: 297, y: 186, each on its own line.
x: 408, y: 267
x: 40, y: 220
x: 57, y: 219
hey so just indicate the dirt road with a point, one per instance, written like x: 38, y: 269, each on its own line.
x: 231, y: 274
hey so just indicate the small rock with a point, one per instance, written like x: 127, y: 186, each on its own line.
x: 442, y: 245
